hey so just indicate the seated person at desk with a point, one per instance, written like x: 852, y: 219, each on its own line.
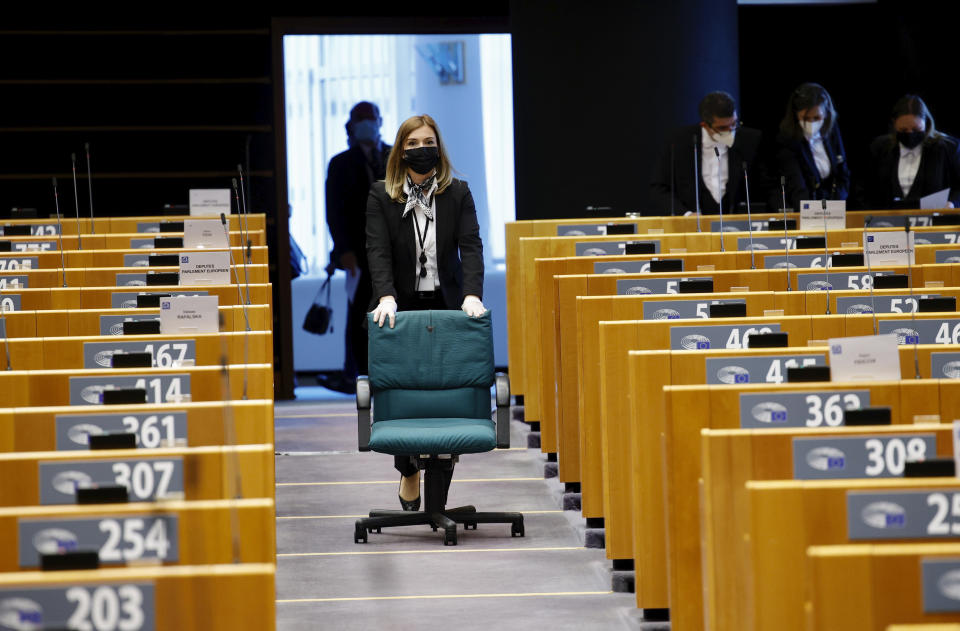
x: 913, y: 160
x: 722, y: 147
x: 810, y: 151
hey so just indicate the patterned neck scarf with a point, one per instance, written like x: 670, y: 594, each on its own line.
x: 420, y: 195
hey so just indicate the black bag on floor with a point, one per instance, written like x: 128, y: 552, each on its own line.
x: 319, y: 318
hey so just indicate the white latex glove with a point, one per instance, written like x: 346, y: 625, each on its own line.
x: 386, y: 309
x: 473, y: 307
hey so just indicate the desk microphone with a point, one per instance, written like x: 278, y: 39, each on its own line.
x: 916, y: 305
x: 76, y: 201
x: 6, y: 342
x: 56, y: 201
x: 786, y: 239
x: 244, y: 225
x: 246, y: 319
x: 672, y: 186
x: 746, y: 184
x: 716, y: 150
x: 826, y: 255
x: 246, y: 270
x: 866, y: 255
x: 86, y: 147
x: 696, y: 184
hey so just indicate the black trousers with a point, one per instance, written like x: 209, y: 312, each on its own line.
x: 407, y: 465
x: 355, y: 335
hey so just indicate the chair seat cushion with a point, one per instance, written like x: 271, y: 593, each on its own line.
x: 412, y: 437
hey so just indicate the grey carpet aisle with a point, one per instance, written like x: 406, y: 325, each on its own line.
x: 406, y: 577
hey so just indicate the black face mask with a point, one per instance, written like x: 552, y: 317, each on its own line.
x: 422, y: 159
x: 909, y: 139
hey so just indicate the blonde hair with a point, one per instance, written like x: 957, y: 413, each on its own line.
x: 397, y: 169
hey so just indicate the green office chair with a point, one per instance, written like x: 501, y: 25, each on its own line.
x: 429, y: 382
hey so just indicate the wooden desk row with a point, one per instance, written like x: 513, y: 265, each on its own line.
x: 102, y: 297
x: 139, y: 258
x: 115, y: 241
x: 148, y: 224
x: 517, y: 262
x: 90, y: 322
x: 116, y: 277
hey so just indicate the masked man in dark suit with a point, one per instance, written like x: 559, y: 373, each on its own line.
x: 722, y: 148
x: 349, y: 177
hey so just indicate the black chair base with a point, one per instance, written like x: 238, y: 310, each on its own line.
x: 435, y: 514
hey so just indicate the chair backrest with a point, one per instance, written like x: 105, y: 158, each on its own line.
x: 432, y: 364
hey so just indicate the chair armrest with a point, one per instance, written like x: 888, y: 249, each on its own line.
x: 363, y: 413
x: 502, y: 383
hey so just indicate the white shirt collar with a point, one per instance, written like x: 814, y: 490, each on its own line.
x: 709, y: 143
x: 915, y: 152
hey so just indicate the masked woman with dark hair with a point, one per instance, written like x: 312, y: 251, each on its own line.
x: 810, y: 152
x: 913, y: 160
x: 423, y: 244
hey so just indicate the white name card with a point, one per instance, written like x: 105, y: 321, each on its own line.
x: 812, y: 214
x: 209, y: 201
x: 204, y: 233
x: 189, y: 314
x: 889, y: 248
x: 864, y: 358
x: 205, y: 268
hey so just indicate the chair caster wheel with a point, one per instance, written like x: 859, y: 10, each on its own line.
x: 450, y: 539
x: 516, y: 530
x: 376, y: 530
x: 434, y: 528
x: 359, y: 534
x: 470, y: 526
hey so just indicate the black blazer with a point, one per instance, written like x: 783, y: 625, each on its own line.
x: 803, y: 181
x: 347, y: 186
x: 939, y: 169
x: 747, y: 147
x: 392, y: 246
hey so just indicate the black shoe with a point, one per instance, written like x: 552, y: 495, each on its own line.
x: 337, y: 382
x: 412, y: 505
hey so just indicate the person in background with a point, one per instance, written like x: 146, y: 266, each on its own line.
x: 912, y: 160
x: 723, y: 147
x: 810, y: 152
x: 349, y: 177
x: 423, y: 245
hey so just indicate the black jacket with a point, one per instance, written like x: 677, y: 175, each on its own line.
x: 747, y: 147
x: 803, y: 181
x: 348, y: 183
x: 939, y: 169
x: 392, y: 247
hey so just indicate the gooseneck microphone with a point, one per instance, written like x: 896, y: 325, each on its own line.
x: 236, y: 277
x: 746, y: 185
x: 866, y: 255
x: 716, y: 150
x: 246, y: 270
x: 672, y: 185
x: 56, y: 202
x: 916, y: 305
x: 6, y: 341
x: 786, y: 239
x: 76, y: 200
x: 826, y: 255
x: 696, y: 183
x: 244, y: 210
x: 86, y: 148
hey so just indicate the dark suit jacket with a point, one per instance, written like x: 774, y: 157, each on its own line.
x: 803, y: 181
x: 939, y: 169
x: 392, y: 248
x: 747, y: 147
x: 348, y: 183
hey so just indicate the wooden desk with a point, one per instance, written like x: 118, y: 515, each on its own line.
x: 35, y: 428
x: 208, y: 472
x: 202, y: 534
